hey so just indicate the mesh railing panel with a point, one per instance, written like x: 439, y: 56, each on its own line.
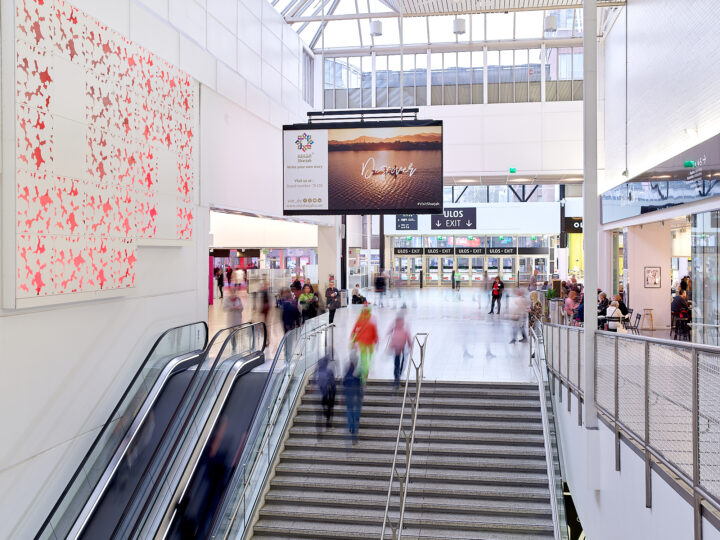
x: 555, y: 348
x: 605, y: 372
x: 563, y: 352
x: 631, y: 385
x: 573, y: 357
x: 670, y: 407
x: 709, y: 420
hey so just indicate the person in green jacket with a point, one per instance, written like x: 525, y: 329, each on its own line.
x: 308, y: 303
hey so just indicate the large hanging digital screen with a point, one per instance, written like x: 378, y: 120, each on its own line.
x: 363, y: 168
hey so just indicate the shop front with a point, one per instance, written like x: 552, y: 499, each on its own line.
x: 442, y: 260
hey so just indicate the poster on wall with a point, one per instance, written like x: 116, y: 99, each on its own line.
x: 363, y: 168
x: 652, y: 277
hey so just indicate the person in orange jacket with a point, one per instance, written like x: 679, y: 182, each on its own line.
x: 364, y: 334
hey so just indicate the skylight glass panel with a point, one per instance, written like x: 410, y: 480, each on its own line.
x: 441, y: 29
x: 340, y: 34
x: 344, y: 7
x: 499, y: 26
x: 578, y: 28
x: 414, y: 30
x: 528, y: 24
x: 309, y: 32
x: 478, y: 27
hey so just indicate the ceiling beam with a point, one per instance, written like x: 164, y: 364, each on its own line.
x: 501, y: 45
x: 388, y: 14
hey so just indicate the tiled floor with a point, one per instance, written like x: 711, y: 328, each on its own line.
x: 464, y: 342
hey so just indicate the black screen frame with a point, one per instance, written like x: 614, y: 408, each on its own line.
x: 365, y: 124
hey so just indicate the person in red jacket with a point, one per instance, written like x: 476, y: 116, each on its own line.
x: 364, y: 334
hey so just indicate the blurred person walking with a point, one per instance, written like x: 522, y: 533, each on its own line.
x: 332, y: 299
x: 228, y: 275
x: 400, y: 340
x: 325, y: 377
x: 532, y: 286
x: 220, y: 278
x: 290, y: 314
x: 264, y: 300
x: 380, y: 287
x: 365, y: 335
x: 519, y: 315
x: 496, y: 292
x: 353, y: 390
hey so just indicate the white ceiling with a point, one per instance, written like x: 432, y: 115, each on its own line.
x: 439, y: 7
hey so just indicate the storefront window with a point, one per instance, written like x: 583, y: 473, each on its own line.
x: 408, y: 241
x: 533, y: 241
x: 703, y: 291
x: 469, y: 241
x: 501, y: 241
x: 438, y: 241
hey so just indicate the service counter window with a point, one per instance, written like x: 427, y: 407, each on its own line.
x: 432, y: 270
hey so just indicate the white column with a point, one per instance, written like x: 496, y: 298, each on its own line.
x: 590, y: 204
x: 329, y: 251
x: 429, y: 80
x: 485, y: 76
x: 373, y: 79
x: 543, y: 77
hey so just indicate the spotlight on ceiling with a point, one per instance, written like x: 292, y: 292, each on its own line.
x: 459, y: 27
x: 376, y: 28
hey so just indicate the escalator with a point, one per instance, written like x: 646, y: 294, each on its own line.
x: 113, y: 473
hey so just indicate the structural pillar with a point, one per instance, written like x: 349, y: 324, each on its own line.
x: 590, y: 204
x: 329, y: 256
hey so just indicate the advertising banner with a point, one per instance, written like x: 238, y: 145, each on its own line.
x: 363, y: 168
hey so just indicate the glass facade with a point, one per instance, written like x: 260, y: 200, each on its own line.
x: 704, y: 291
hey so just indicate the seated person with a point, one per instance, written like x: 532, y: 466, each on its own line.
x: 580, y: 313
x: 613, y: 312
x: 680, y: 306
x: 357, y: 298
x: 571, y: 303
x: 621, y: 305
x: 603, y: 304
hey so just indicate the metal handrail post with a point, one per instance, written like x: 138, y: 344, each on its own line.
x: 403, y: 483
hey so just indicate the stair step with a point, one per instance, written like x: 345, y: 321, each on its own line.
x: 420, y: 448
x: 450, y: 426
x: 449, y: 520
x: 358, y: 472
x: 491, y: 463
x: 415, y: 502
x: 308, y: 486
x: 431, y: 390
x: 433, y: 404
x: 450, y: 414
x: 426, y: 436
x: 280, y: 529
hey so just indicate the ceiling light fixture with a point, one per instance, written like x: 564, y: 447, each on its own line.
x: 459, y: 27
x: 376, y: 28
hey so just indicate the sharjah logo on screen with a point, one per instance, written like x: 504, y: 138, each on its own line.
x: 304, y: 142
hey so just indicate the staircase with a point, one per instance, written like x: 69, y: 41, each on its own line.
x: 478, y: 468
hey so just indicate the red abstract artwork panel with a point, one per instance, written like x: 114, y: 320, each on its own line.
x: 78, y: 220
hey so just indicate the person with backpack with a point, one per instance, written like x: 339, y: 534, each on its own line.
x: 325, y: 377
x: 399, y: 341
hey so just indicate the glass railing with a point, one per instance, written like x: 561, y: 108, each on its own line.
x: 296, y: 357
x: 172, y: 346
x: 550, y: 433
x: 167, y: 465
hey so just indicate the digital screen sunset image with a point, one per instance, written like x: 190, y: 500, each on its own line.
x: 384, y: 169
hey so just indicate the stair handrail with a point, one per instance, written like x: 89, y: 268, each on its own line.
x: 409, y: 438
x: 536, y: 364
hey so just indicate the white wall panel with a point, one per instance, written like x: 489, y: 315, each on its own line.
x: 149, y: 30
x: 249, y: 64
x: 224, y: 11
x: 160, y: 7
x: 231, y: 85
x: 188, y: 16
x: 221, y: 42
x: 271, y: 81
x: 249, y: 28
x: 237, y: 231
x: 535, y: 138
x: 672, y: 81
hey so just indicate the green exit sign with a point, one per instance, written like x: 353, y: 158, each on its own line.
x: 513, y: 170
x: 689, y: 164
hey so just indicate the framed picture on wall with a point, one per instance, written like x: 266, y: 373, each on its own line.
x: 652, y: 277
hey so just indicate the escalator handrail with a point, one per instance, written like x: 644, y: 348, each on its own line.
x: 248, y: 443
x: 301, y: 338
x: 99, y: 436
x: 150, y: 498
